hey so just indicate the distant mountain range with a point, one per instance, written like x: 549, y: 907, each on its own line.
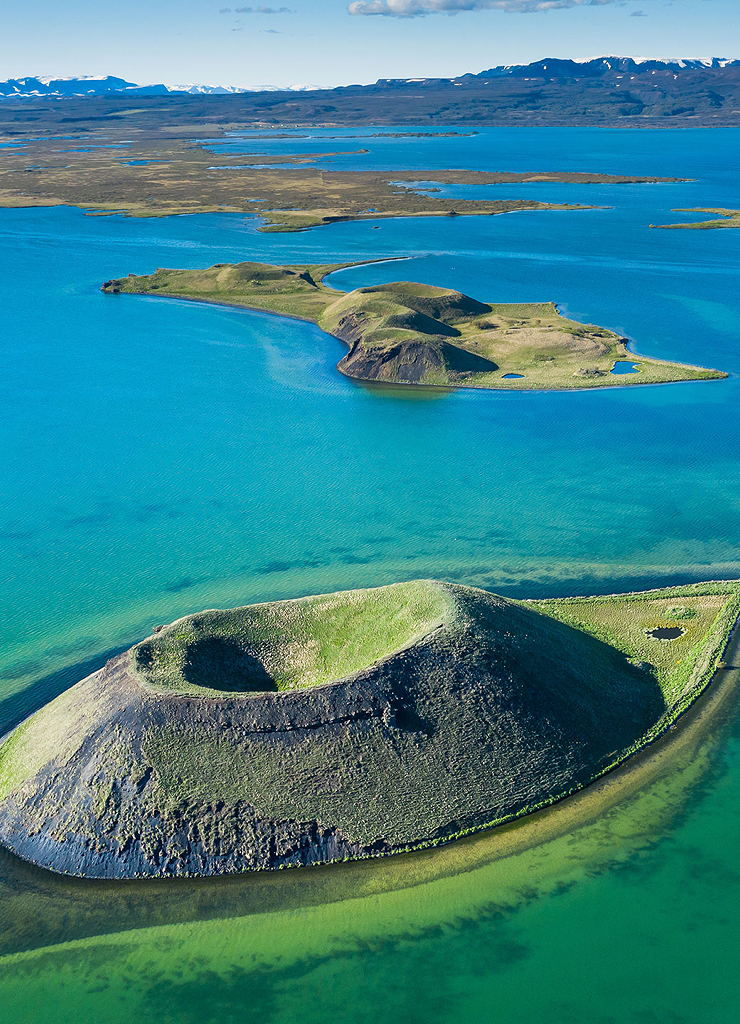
x: 552, y: 67
x: 84, y: 85
x: 89, y: 85
x: 623, y: 91
x: 549, y: 69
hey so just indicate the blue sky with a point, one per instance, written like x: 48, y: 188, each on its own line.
x: 335, y: 42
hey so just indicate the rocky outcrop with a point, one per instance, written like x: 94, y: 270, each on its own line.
x: 410, y: 362
x: 422, y: 353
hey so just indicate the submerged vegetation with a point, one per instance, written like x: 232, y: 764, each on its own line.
x: 410, y: 333
x: 349, y: 725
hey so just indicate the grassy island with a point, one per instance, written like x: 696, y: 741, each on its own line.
x: 722, y: 218
x: 348, y: 725
x: 407, y: 333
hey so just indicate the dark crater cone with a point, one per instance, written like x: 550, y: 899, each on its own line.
x: 307, y: 731
x: 401, y: 333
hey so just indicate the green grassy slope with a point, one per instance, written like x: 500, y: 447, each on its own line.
x: 288, y: 645
x: 705, y: 612
x: 348, y: 725
x: 409, y: 333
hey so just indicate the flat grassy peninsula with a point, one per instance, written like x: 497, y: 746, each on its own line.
x: 410, y: 333
x: 701, y: 613
x: 155, y: 164
x: 722, y: 218
x: 349, y: 725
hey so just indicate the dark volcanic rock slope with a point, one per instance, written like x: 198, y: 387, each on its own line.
x: 491, y: 708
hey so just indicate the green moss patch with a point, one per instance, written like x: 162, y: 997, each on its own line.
x: 55, y: 731
x: 288, y: 645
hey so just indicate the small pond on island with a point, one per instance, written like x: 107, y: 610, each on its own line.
x: 665, y: 633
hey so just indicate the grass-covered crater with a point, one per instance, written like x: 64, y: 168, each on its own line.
x: 348, y: 725
x: 287, y: 645
x: 411, y: 333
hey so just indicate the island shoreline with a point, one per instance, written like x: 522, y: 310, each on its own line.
x: 450, y: 388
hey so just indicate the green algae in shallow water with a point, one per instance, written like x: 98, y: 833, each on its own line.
x: 396, y: 935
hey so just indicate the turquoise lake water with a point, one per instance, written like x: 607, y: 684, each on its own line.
x: 159, y: 456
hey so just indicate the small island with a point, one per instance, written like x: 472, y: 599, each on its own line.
x: 722, y: 218
x: 410, y: 333
x: 349, y: 725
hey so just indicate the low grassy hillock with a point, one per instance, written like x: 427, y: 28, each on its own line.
x: 347, y: 725
x: 410, y: 333
x: 723, y: 218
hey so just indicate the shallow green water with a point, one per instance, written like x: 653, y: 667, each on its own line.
x: 159, y: 457
x: 614, y: 906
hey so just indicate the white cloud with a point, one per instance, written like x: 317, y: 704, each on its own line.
x: 419, y: 8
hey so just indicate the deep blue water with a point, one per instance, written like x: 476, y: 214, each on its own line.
x: 159, y: 456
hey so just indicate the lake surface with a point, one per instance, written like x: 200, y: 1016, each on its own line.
x: 159, y: 456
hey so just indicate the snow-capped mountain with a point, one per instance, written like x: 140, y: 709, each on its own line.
x: 82, y: 85
x: 550, y: 68
x: 224, y: 90
x: 92, y: 85
x: 198, y: 89
x: 554, y: 67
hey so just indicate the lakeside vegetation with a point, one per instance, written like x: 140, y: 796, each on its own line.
x: 410, y: 333
x: 705, y: 612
